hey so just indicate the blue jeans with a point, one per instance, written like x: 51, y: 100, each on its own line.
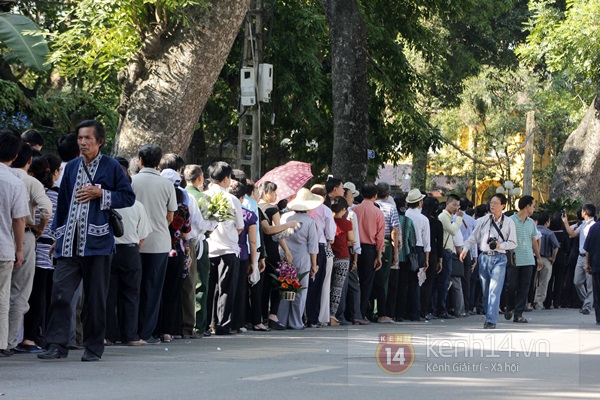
x: 492, y: 270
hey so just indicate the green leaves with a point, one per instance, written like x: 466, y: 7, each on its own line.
x: 23, y: 37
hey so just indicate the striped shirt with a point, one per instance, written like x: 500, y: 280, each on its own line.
x: 526, y: 231
x: 391, y: 216
x: 45, y: 241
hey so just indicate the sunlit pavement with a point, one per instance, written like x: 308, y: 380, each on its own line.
x: 555, y: 355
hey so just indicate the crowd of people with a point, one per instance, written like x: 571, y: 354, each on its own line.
x: 178, y: 271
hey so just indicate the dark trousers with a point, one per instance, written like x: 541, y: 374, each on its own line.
x: 556, y: 285
x: 428, y: 287
x: 123, y: 301
x: 188, y: 292
x: 466, y: 282
x: 476, y: 291
x: 169, y: 316
x: 39, y: 301
x: 255, y: 300
x: 596, y: 288
x: 391, y: 302
x: 516, y: 288
x: 95, y: 272
x: 315, y: 286
x: 203, y: 267
x: 222, y: 285
x: 366, y: 274
x: 270, y: 295
x: 241, y: 296
x: 154, y: 268
x: 380, y: 282
x: 442, y: 282
x: 349, y: 308
x: 409, y: 306
x: 531, y: 290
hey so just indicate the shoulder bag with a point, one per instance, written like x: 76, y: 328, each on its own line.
x: 114, y: 219
x: 511, y: 257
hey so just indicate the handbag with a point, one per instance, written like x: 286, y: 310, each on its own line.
x: 114, y: 218
x: 458, y: 268
x: 413, y: 259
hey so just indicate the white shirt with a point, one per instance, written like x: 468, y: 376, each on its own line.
x: 224, y: 239
x: 422, y: 230
x: 352, y: 217
x: 326, y: 226
x: 135, y: 223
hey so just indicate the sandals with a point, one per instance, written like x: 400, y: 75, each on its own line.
x: 260, y: 328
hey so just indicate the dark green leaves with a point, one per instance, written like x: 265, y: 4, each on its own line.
x: 23, y: 37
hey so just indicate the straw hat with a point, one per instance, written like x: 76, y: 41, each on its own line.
x: 350, y: 186
x: 414, y: 196
x: 305, y: 201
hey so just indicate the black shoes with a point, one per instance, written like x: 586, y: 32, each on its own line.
x: 53, y: 353
x: 6, y: 353
x: 508, y: 315
x: 489, y: 325
x: 89, y: 356
x: 276, y: 325
x: 445, y: 316
x: 585, y: 311
x: 521, y: 320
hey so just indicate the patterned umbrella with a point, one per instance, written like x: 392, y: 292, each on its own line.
x: 289, y: 178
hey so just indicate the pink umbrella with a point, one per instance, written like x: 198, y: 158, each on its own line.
x: 289, y: 178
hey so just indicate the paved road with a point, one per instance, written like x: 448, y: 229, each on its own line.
x: 556, y: 355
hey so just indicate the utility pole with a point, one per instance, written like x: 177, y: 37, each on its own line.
x: 528, y: 162
x: 249, y: 146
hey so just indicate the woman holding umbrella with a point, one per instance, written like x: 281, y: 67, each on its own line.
x: 270, y: 227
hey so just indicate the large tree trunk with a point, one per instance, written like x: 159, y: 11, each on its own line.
x: 167, y: 85
x: 579, y: 164
x: 349, y: 84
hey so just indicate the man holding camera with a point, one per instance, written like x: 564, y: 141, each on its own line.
x: 495, y: 234
x: 519, y: 275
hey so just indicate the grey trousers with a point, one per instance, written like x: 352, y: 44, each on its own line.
x: 290, y: 312
x: 6, y: 268
x: 20, y: 289
x: 542, y: 278
x: 583, y: 284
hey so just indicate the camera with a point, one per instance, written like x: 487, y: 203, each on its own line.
x: 493, y: 243
x: 564, y: 212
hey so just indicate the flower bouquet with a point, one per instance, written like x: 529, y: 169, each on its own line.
x: 288, y: 280
x: 216, y: 208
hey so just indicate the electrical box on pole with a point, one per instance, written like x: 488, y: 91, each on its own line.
x: 265, y: 82
x: 248, y: 86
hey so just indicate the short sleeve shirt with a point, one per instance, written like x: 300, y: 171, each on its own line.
x: 157, y: 194
x: 525, y: 232
x: 340, y: 244
x: 13, y: 203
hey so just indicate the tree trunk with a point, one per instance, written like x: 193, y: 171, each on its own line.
x: 167, y: 85
x: 349, y: 84
x: 418, y: 175
x: 579, y: 166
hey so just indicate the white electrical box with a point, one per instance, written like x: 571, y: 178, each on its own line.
x: 265, y: 82
x: 248, y: 86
